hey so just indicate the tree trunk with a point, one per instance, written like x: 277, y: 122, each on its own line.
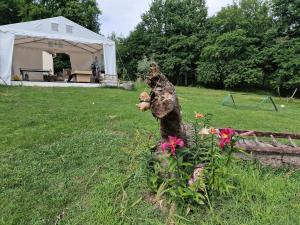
x: 165, y: 106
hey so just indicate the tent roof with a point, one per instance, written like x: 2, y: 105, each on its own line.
x: 59, y: 28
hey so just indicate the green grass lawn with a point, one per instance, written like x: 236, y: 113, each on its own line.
x: 77, y: 156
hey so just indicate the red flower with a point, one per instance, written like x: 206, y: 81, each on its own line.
x: 171, y: 144
x: 225, y: 136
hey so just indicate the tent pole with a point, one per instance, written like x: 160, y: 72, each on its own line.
x: 97, y: 50
x: 30, y: 41
x: 78, y: 46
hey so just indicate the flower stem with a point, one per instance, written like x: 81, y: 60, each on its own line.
x: 229, y: 154
x: 212, y: 161
x: 208, y: 201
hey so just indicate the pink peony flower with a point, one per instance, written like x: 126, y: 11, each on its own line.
x: 225, y: 136
x: 171, y: 144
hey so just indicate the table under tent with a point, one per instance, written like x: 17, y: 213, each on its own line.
x: 27, y: 50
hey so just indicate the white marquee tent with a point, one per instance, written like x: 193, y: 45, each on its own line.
x: 22, y: 46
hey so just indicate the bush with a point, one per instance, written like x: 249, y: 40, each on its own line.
x: 143, y: 67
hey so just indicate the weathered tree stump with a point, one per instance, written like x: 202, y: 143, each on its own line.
x: 163, y: 104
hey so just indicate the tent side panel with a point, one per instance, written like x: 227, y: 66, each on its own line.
x: 81, y: 61
x: 6, y: 54
x: 28, y: 58
x: 48, y: 61
x: 109, y: 52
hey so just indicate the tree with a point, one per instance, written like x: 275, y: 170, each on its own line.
x: 232, y: 55
x: 171, y: 33
x: 26, y: 10
x: 286, y: 13
x: 286, y: 16
x: 9, y: 11
x: 131, y: 50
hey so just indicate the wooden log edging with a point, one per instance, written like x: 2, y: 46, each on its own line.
x: 272, y: 154
x: 274, y: 134
x: 282, y: 149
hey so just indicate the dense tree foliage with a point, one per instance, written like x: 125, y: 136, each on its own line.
x: 83, y: 12
x: 234, y: 45
x: 286, y: 49
x: 249, y: 44
x: 9, y: 11
x: 172, y: 33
